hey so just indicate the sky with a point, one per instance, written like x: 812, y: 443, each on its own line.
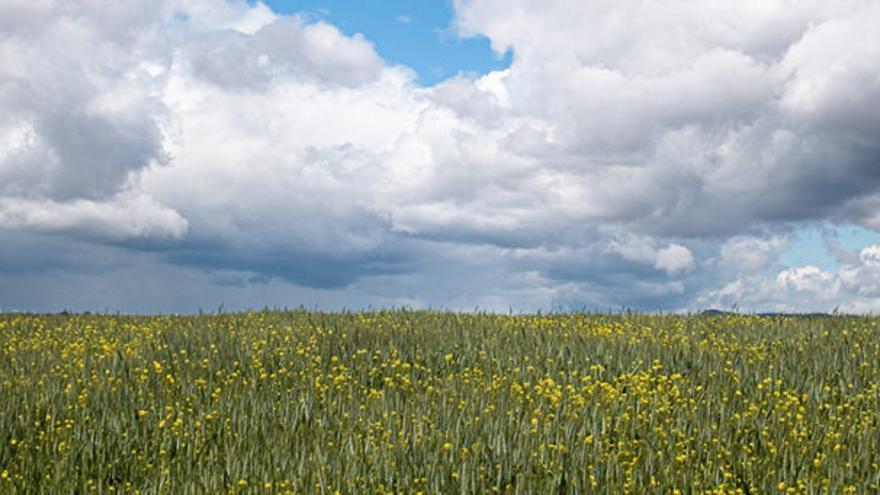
x: 167, y: 156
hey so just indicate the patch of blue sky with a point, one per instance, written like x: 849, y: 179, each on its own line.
x: 419, y: 34
x: 807, y: 245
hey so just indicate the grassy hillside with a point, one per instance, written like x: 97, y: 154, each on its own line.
x: 409, y: 402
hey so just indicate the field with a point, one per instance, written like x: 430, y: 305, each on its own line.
x: 426, y: 402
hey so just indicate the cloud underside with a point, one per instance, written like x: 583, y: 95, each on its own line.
x: 634, y: 154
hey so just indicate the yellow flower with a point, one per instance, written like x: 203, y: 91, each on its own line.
x: 242, y: 482
x: 447, y: 446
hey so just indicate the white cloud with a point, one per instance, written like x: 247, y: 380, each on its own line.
x: 695, y: 118
x: 744, y: 254
x: 807, y: 279
x: 285, y: 49
x: 635, y: 248
x: 128, y: 215
x: 675, y: 258
x: 863, y: 278
x: 671, y: 259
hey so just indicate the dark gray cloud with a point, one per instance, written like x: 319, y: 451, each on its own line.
x: 94, y: 155
x: 24, y: 253
x: 306, y: 269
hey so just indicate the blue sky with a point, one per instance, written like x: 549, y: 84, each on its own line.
x: 807, y: 246
x: 362, y: 154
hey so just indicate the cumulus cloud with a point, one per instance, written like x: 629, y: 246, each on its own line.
x: 746, y: 254
x: 697, y: 119
x: 633, y: 154
x: 808, y: 279
x: 80, y: 116
x: 863, y: 277
x: 675, y: 258
x: 672, y: 259
x: 127, y: 215
x: 284, y: 48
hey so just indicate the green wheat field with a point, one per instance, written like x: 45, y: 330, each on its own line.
x: 407, y: 402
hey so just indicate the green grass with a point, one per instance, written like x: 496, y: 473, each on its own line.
x: 408, y: 402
